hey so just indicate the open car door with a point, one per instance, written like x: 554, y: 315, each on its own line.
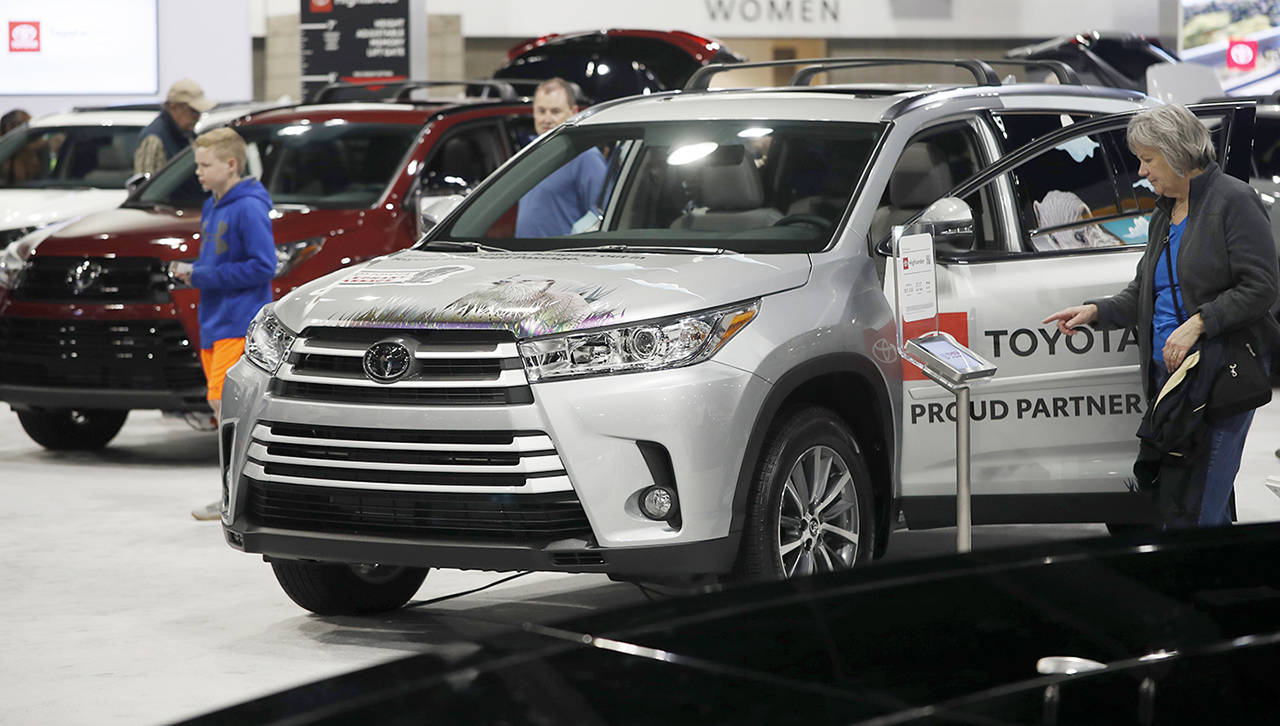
x: 1060, y: 220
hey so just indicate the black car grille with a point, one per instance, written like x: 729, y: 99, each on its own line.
x: 131, y: 355
x: 468, y: 368
x: 397, y: 457
x: 121, y: 280
x: 417, y: 515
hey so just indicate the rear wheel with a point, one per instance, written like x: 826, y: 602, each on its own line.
x: 811, y: 507
x: 72, y: 429
x: 341, y: 589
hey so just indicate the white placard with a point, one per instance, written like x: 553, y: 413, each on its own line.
x: 78, y: 47
x: 917, y: 282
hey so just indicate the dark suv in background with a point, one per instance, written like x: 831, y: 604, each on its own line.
x: 91, y: 326
x: 1119, y: 60
x: 614, y: 63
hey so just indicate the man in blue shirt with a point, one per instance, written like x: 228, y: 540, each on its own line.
x: 568, y: 193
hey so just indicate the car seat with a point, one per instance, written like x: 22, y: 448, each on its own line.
x: 921, y: 177
x: 731, y: 198
x: 112, y: 169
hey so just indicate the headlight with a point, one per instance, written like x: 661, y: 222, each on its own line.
x: 267, y: 341
x: 667, y: 343
x: 12, y: 259
x: 290, y: 254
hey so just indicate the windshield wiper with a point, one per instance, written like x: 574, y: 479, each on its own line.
x: 657, y: 249
x: 461, y: 245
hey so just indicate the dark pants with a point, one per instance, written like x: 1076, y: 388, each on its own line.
x: 1205, y: 501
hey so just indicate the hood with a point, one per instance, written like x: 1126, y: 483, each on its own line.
x: 38, y: 207
x: 249, y: 188
x: 536, y: 293
x: 174, y: 233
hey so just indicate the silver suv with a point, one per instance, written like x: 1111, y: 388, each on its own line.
x: 699, y: 378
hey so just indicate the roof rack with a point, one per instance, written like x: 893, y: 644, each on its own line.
x: 1065, y: 74
x: 400, y: 90
x: 983, y: 74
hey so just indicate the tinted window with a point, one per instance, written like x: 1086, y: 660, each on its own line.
x: 322, y: 165
x: 1130, y: 58
x: 742, y: 185
x: 463, y: 159
x: 1266, y: 146
x: 1019, y: 129
x: 68, y: 156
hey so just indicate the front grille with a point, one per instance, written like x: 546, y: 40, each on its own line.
x: 367, y: 458
x: 446, y: 368
x: 122, y: 280
x: 417, y: 515
x: 128, y: 355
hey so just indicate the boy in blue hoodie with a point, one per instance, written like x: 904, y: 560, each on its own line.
x: 236, y: 264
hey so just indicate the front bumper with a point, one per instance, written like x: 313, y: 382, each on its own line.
x: 698, y: 416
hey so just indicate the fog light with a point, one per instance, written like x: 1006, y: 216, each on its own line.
x: 658, y: 502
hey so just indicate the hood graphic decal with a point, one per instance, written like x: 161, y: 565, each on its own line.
x: 526, y: 306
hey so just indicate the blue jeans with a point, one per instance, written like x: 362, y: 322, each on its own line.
x: 1215, y: 476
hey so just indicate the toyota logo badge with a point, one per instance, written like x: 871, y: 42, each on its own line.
x: 387, y: 361
x: 83, y: 276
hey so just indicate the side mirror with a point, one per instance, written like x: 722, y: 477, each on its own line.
x: 132, y: 183
x: 433, y: 209
x: 950, y: 221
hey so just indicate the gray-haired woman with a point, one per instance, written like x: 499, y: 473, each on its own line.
x: 1209, y: 268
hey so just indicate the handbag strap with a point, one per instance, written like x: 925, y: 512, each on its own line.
x: 1173, y: 285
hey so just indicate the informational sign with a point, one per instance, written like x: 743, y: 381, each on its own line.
x: 917, y: 281
x: 78, y: 47
x: 354, y: 40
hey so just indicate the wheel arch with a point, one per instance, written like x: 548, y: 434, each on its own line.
x: 852, y: 387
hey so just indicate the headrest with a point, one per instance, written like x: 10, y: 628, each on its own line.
x: 920, y: 178
x: 109, y: 157
x: 731, y: 186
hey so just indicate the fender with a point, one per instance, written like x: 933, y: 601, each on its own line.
x: 783, y: 391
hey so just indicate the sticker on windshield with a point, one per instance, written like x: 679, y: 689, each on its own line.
x: 1080, y: 148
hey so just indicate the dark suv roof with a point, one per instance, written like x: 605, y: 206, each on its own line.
x: 610, y: 64
x: 1103, y: 59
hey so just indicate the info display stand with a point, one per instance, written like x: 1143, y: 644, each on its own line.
x: 941, y: 357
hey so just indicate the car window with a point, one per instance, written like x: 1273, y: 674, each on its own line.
x: 520, y: 132
x: 1266, y: 146
x: 931, y: 165
x: 1067, y: 196
x: 463, y: 159
x: 1017, y: 129
x: 757, y: 185
x: 334, y: 165
x: 68, y: 156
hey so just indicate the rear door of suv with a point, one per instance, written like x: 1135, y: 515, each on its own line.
x: 1060, y: 220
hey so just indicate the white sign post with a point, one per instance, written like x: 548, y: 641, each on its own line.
x: 944, y: 360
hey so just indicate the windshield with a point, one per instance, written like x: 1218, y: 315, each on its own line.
x: 329, y: 165
x: 68, y: 157
x: 741, y: 185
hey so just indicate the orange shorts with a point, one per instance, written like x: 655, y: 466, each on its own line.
x: 217, y: 360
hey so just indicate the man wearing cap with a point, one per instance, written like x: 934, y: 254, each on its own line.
x: 172, y: 130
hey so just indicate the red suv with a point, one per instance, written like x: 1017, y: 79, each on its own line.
x: 91, y: 325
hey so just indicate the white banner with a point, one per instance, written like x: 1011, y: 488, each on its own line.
x: 81, y: 47
x: 1030, y: 19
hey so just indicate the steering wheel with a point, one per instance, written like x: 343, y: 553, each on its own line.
x: 814, y: 220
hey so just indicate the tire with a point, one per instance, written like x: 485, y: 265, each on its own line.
x: 341, y: 589
x: 789, y: 532
x: 69, y: 429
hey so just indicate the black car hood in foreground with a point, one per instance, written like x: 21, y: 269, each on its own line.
x: 1188, y: 623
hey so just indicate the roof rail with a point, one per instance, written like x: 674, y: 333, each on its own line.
x: 983, y: 74
x: 401, y: 89
x: 1065, y: 74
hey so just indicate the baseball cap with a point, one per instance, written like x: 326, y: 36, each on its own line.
x: 189, y: 92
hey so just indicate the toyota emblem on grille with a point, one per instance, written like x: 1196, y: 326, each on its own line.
x: 387, y: 361
x: 83, y: 276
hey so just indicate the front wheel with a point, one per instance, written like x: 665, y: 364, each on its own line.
x: 811, y: 502
x: 342, y: 589
x: 72, y: 429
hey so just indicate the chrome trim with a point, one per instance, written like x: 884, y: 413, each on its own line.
x: 542, y: 485
x: 527, y: 465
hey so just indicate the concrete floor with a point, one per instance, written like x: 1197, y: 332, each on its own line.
x: 121, y: 609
